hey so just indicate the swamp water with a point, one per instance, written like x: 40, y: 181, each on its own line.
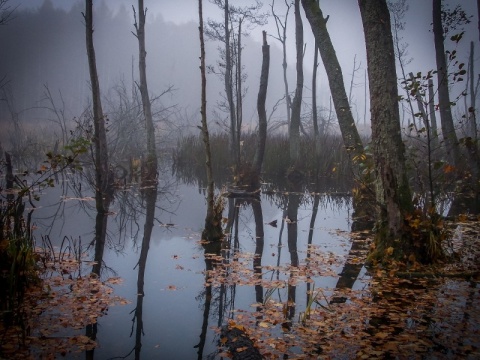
x: 177, y: 316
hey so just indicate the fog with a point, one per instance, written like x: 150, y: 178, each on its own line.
x: 43, y: 49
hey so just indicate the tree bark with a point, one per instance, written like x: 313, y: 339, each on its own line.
x: 238, y: 66
x: 316, y: 131
x: 388, y: 149
x: 472, y: 113
x: 350, y: 135
x: 213, y: 229
x: 294, y: 136
x: 150, y: 176
x: 229, y: 92
x: 262, y: 113
x: 446, y: 119
x: 433, y: 117
x: 100, y: 136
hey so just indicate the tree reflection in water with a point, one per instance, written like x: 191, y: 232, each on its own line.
x: 249, y: 243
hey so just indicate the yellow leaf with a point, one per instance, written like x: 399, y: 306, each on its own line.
x: 263, y: 324
x: 381, y: 335
x: 389, y: 251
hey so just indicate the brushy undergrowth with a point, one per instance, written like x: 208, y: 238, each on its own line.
x: 17, y: 257
x: 332, y: 162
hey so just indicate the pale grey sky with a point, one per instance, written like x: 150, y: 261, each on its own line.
x: 344, y: 26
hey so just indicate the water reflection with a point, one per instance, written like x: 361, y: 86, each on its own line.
x: 172, y: 312
x: 210, y: 248
x: 294, y: 198
x: 150, y: 196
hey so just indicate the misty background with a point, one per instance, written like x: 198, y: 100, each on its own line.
x: 43, y: 62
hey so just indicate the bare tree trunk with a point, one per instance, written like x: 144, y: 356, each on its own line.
x: 433, y: 117
x: 448, y: 129
x: 239, y: 88
x: 318, y: 23
x: 352, y: 81
x: 472, y: 145
x: 316, y: 131
x: 388, y: 148
x: 100, y: 136
x: 282, y: 37
x: 472, y: 110
x: 151, y: 161
x: 297, y: 100
x: 421, y: 108
x: 398, y: 10
x: 262, y: 114
x: 229, y: 92
x: 365, y: 95
x: 213, y: 229
x: 478, y: 12
x: 429, y: 162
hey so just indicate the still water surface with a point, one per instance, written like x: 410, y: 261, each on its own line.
x: 175, y: 324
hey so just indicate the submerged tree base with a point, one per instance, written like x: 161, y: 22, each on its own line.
x: 213, y: 231
x: 420, y: 242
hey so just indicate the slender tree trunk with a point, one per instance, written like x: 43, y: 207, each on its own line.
x: 288, y: 100
x: 401, y: 53
x: 297, y: 100
x: 213, y: 229
x: 318, y: 23
x: 388, y: 148
x: 433, y: 117
x: 151, y: 161
x: 262, y: 114
x: 472, y: 110
x: 478, y: 15
x: 316, y: 131
x: 421, y: 108
x: 239, y: 88
x: 448, y: 129
x: 100, y: 136
x: 472, y: 145
x: 229, y: 92
x: 365, y: 105
x: 282, y: 37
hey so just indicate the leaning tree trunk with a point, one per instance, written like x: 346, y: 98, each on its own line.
x: 388, y: 148
x: 100, y: 136
x: 262, y: 114
x: 318, y: 23
x: 151, y: 166
x: 446, y: 119
x: 294, y: 134
x: 213, y: 227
